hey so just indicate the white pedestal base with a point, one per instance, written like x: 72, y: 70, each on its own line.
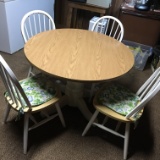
x: 74, y: 91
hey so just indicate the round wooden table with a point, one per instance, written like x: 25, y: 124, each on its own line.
x: 78, y: 56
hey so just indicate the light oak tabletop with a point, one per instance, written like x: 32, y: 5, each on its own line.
x: 79, y: 55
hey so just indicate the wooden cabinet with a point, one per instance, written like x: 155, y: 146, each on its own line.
x: 61, y: 12
x: 140, y: 26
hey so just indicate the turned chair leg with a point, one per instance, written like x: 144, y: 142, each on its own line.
x: 8, y: 108
x: 91, y: 91
x: 25, y: 132
x: 90, y: 122
x: 60, y: 114
x: 126, y: 140
x: 30, y: 73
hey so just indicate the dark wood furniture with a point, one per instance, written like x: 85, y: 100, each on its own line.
x: 140, y: 26
x: 74, y: 6
x: 61, y: 13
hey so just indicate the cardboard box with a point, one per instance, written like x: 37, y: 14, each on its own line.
x: 101, y: 3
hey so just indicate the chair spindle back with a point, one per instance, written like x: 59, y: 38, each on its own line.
x: 14, y: 90
x: 35, y: 22
x: 113, y: 27
x: 147, y: 91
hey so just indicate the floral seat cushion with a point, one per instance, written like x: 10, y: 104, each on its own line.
x: 38, y: 89
x: 118, y: 98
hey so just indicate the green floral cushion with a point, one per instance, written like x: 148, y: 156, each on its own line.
x: 118, y: 98
x: 39, y: 89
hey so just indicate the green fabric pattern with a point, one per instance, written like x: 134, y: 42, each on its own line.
x: 118, y: 98
x: 38, y: 89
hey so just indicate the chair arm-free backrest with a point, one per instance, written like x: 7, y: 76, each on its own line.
x: 34, y: 22
x: 151, y: 80
x: 110, y: 26
x: 13, y: 89
x: 147, y: 91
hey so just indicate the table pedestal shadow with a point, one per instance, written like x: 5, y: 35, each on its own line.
x: 75, y: 93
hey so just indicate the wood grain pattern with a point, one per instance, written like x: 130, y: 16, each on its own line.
x: 79, y: 55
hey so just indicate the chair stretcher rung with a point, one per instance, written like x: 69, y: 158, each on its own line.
x: 109, y: 130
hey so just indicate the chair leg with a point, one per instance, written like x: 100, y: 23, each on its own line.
x: 8, y: 108
x: 30, y: 73
x: 91, y: 92
x: 90, y: 122
x: 25, y: 132
x: 60, y: 114
x: 118, y: 126
x: 105, y: 120
x: 126, y: 140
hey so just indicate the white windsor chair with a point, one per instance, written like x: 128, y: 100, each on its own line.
x: 113, y: 28
x: 34, y: 22
x: 118, y: 103
x: 29, y: 96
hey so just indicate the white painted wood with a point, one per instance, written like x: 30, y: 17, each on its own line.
x: 35, y: 22
x: 16, y: 99
x: 146, y: 92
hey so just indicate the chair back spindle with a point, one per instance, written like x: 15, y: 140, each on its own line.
x: 35, y: 22
x: 13, y: 89
x: 146, y: 92
x: 113, y: 27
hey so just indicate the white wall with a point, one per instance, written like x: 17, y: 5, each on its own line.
x: 11, y: 14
